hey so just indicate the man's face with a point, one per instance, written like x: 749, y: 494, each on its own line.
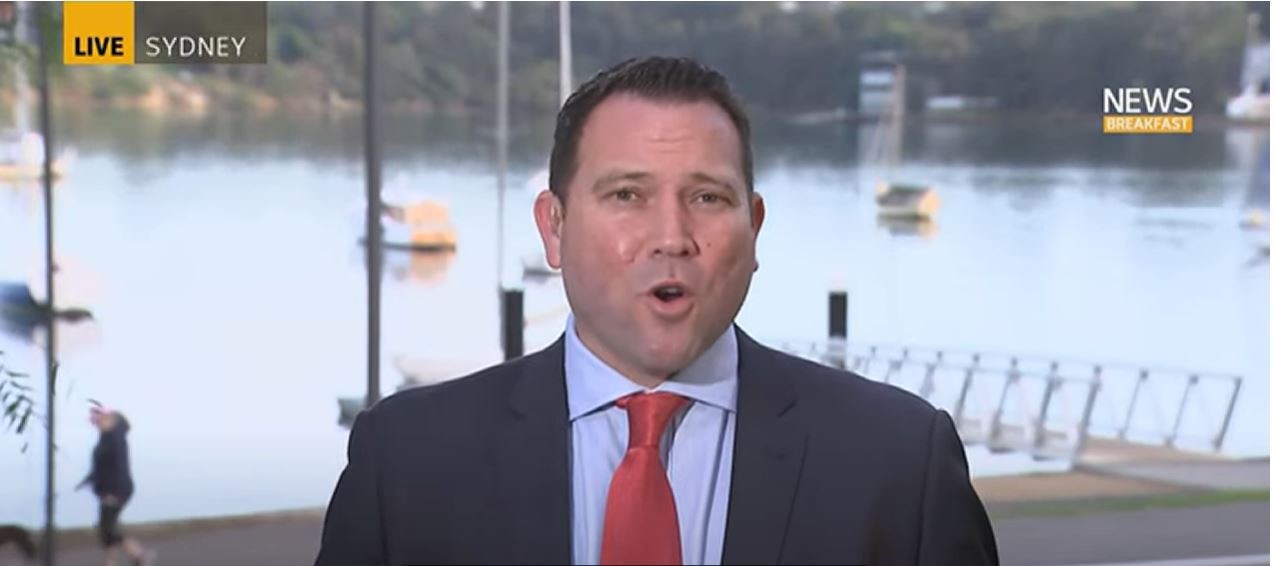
x: 656, y: 241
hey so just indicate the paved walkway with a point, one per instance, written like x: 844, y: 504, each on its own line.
x: 1217, y: 533
x: 1238, y: 529
x: 1243, y: 474
x: 1127, y: 479
x: 1133, y: 536
x: 293, y: 541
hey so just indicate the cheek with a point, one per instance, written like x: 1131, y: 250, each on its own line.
x: 731, y: 253
x: 591, y: 266
x: 602, y: 243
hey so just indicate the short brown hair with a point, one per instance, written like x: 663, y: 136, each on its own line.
x: 677, y: 79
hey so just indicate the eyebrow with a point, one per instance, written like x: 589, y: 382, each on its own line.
x: 615, y: 176
x: 698, y: 176
x: 702, y: 177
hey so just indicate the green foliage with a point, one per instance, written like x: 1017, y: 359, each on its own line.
x: 1061, y: 55
x: 15, y: 398
x: 112, y: 82
x: 1030, y: 56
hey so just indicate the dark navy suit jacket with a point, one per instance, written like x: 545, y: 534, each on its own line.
x: 830, y: 468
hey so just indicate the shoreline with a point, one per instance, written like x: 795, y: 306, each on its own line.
x: 198, y: 99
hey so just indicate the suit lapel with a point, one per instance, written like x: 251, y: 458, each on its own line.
x: 770, y: 445
x: 535, y: 479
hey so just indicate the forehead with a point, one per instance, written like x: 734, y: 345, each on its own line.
x: 632, y: 132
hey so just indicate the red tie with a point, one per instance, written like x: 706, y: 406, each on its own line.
x: 641, y: 525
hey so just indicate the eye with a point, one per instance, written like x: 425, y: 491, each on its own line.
x: 624, y: 195
x: 710, y: 198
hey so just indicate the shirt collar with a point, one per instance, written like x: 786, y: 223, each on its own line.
x: 592, y: 384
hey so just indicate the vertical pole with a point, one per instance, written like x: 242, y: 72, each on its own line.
x: 1134, y: 399
x: 372, y: 231
x: 959, y: 412
x: 502, y: 133
x: 1172, y: 439
x: 1083, y: 429
x: 837, y: 328
x: 502, y: 163
x: 22, y: 88
x: 1227, y: 417
x: 1039, y: 432
x: 512, y: 317
x: 1012, y: 380
x: 928, y: 380
x: 564, y: 50
x: 901, y: 104
x: 51, y: 348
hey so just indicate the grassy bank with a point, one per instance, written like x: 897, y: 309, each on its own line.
x: 1090, y: 506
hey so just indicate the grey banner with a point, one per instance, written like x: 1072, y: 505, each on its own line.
x: 200, y: 32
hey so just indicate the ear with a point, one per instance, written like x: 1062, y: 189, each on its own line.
x: 549, y: 213
x: 757, y: 213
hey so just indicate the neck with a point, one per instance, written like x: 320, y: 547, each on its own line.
x: 645, y: 378
x: 647, y: 381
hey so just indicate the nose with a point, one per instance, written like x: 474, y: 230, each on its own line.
x: 673, y: 233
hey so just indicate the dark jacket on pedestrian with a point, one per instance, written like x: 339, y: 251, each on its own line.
x: 111, y: 474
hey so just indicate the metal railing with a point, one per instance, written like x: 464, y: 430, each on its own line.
x: 1047, y: 407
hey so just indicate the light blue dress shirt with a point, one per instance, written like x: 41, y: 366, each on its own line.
x: 697, y: 448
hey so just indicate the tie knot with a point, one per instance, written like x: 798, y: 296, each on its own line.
x: 649, y: 415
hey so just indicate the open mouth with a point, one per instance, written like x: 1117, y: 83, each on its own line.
x: 669, y: 293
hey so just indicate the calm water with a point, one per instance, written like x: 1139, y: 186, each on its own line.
x: 230, y: 296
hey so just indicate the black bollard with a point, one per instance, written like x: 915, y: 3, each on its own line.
x: 838, y: 314
x: 512, y: 323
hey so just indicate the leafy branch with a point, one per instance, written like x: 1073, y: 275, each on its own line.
x: 16, y: 399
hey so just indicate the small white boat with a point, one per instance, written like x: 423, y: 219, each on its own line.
x: 924, y: 228
x: 896, y: 201
x: 424, y: 268
x: 908, y: 202
x: 1249, y: 106
x: 421, y: 226
x: 22, y: 158
x: 22, y: 148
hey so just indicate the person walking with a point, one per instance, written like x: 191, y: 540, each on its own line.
x: 112, y: 481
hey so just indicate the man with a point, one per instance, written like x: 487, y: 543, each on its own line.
x: 655, y: 431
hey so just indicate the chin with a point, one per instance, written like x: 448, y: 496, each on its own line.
x: 669, y: 357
